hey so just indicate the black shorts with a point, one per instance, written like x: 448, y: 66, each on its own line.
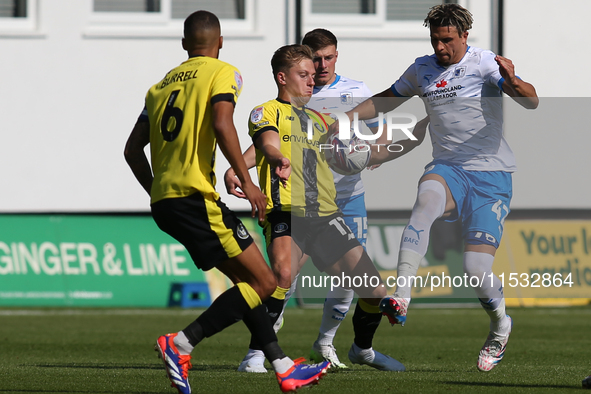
x: 209, y: 231
x: 324, y: 239
x: 277, y: 224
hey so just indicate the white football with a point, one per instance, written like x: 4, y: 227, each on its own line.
x: 346, y: 157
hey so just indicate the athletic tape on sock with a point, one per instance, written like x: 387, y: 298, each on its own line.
x: 367, y: 307
x: 250, y: 296
x: 280, y: 293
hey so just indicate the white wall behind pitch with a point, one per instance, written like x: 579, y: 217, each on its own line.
x: 547, y: 42
x: 70, y: 97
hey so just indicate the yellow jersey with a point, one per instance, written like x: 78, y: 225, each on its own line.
x: 310, y: 190
x: 182, y: 138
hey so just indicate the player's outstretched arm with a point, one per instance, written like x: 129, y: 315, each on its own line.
x: 379, y: 154
x: 374, y: 105
x: 233, y: 185
x: 522, y: 92
x: 227, y: 138
x: 269, y: 144
x: 136, y: 157
x: 371, y: 107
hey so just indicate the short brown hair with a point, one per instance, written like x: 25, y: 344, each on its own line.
x: 285, y: 57
x: 449, y: 15
x: 318, y: 39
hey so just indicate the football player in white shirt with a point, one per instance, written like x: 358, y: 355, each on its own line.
x: 336, y: 92
x: 470, y: 176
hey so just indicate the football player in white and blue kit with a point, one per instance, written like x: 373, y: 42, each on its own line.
x: 334, y: 92
x: 470, y: 176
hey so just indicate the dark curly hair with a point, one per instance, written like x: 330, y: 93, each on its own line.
x: 449, y: 15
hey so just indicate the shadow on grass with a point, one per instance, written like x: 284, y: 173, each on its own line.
x: 210, y: 368
x: 68, y: 391
x: 517, y: 385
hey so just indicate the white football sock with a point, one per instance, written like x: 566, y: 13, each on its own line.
x: 490, y: 291
x: 182, y: 344
x: 408, y: 264
x: 337, y: 304
x: 281, y: 365
x: 429, y: 206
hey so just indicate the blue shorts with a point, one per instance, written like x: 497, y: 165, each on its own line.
x: 355, y: 215
x: 482, y: 200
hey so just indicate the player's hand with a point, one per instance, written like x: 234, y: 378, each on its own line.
x: 233, y: 184
x: 506, y: 68
x: 258, y: 201
x: 283, y: 170
x: 522, y: 92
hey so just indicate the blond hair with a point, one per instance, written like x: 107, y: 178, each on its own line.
x: 287, y: 56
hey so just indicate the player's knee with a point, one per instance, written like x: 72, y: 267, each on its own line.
x: 282, y: 272
x: 431, y: 199
x: 478, y: 263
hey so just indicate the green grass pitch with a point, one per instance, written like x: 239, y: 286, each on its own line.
x: 111, y: 351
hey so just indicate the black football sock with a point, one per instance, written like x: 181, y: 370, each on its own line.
x: 229, y: 308
x: 365, y: 325
x: 273, y: 308
x: 259, y: 323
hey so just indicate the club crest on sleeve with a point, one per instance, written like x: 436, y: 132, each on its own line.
x: 238, y: 79
x: 256, y: 115
x: 459, y: 72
